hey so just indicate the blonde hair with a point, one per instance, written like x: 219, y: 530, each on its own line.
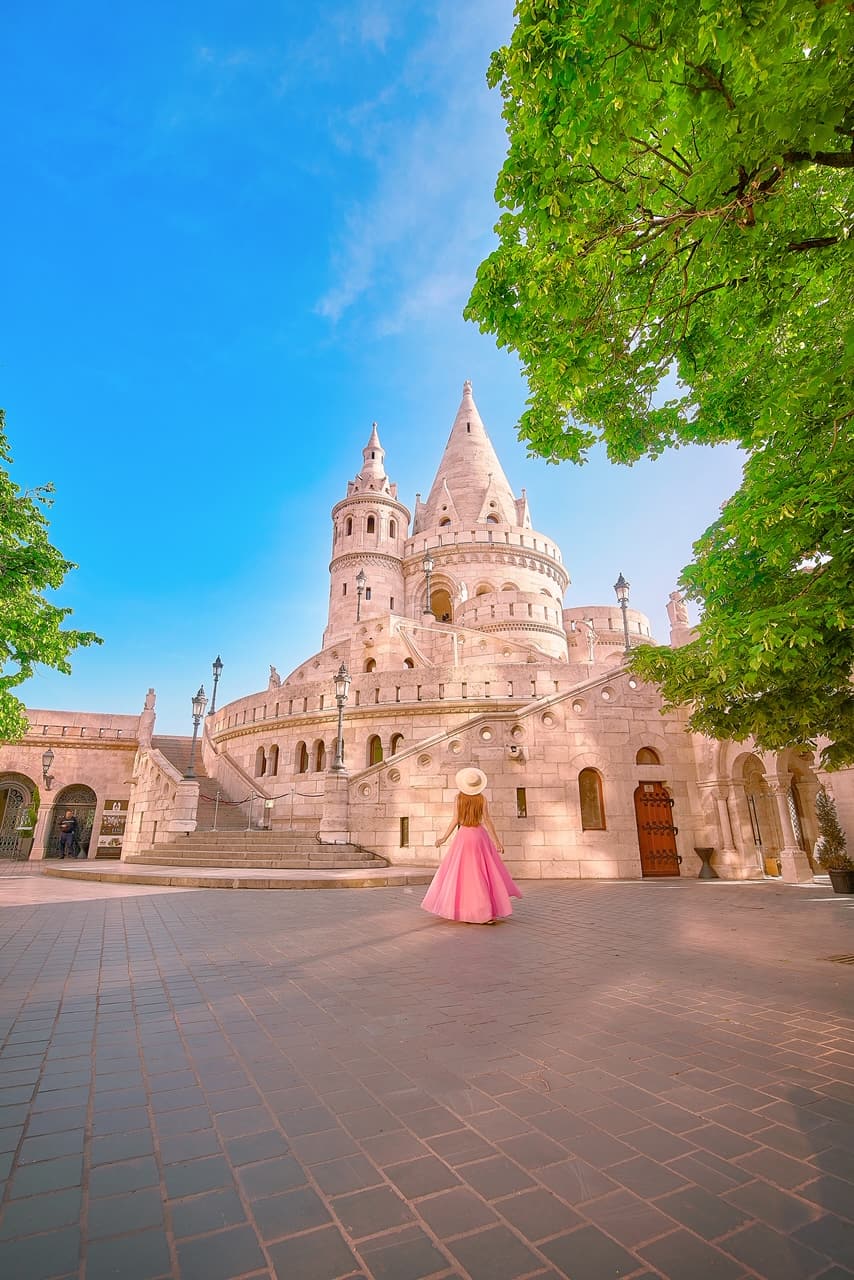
x: 469, y: 810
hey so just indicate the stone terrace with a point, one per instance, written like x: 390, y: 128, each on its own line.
x: 626, y: 1080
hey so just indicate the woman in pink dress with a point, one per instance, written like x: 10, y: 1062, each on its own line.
x: 472, y: 883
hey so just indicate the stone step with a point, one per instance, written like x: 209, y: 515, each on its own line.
x: 251, y: 878
x: 240, y: 864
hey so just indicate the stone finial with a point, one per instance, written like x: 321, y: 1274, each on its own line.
x: 150, y: 700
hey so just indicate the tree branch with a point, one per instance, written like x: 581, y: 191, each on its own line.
x: 833, y: 159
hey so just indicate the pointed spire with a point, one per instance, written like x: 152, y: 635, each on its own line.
x: 372, y: 475
x: 470, y: 474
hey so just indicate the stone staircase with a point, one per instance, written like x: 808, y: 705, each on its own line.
x: 271, y: 850
x: 223, y: 814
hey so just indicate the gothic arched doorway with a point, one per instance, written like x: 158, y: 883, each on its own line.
x: 16, y: 798
x: 82, y: 803
x: 656, y: 832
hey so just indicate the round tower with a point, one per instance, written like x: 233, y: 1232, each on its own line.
x: 369, y: 530
x: 490, y: 569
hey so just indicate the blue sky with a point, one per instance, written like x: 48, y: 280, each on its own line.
x: 234, y: 236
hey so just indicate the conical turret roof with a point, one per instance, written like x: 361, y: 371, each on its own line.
x: 470, y: 483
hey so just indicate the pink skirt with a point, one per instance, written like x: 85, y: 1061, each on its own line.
x: 472, y: 883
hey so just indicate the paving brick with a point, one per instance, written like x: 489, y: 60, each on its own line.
x: 125, y: 1175
x: 404, y: 1255
x: 494, y: 1254
x: 683, y: 1256
x: 41, y: 1213
x: 208, y: 1174
x: 536, y: 1214
x: 228, y: 1253
x: 289, y: 1213
x: 628, y: 1218
x: 119, y: 1214
x: 420, y: 1177
x: 453, y: 1212
x: 700, y: 1211
x: 54, y: 1254
x: 364, y: 1213
x: 588, y: 1254
x: 351, y: 1173
x: 270, y: 1176
x: 314, y: 1253
x: 494, y: 1177
x: 47, y: 1175
x: 774, y: 1255
x: 142, y: 1256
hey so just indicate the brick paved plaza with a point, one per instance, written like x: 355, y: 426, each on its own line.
x: 627, y: 1079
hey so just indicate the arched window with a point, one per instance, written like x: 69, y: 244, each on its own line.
x: 591, y: 801
x: 259, y: 762
x: 371, y: 664
x: 375, y: 750
x: 408, y: 663
x: 484, y: 589
x: 490, y: 519
x: 302, y: 758
x: 372, y: 524
x: 509, y: 586
x: 446, y: 520
x: 395, y: 744
x: 319, y: 756
x: 647, y: 755
x: 392, y: 528
x: 273, y: 762
x: 348, y: 526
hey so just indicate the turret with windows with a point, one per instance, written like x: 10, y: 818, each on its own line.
x: 369, y: 529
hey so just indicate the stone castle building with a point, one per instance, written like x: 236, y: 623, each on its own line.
x: 450, y: 622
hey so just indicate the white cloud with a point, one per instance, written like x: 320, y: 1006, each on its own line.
x: 436, y: 139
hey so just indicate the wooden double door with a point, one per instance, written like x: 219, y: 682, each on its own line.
x: 656, y: 832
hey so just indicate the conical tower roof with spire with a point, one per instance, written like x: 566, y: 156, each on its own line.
x: 470, y: 484
x: 372, y: 477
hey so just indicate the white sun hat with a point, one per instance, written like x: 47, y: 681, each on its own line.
x: 471, y: 781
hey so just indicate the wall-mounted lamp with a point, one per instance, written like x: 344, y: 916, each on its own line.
x: 47, y: 763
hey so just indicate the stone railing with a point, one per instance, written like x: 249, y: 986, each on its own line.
x: 164, y: 803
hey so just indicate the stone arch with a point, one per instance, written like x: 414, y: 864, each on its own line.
x: 348, y: 526
x: 260, y: 763
x: 371, y: 523
x: 647, y: 755
x: 509, y: 586
x: 319, y: 753
x: 273, y: 762
x: 484, y: 589
x: 301, y: 758
x: 82, y: 801
x: 409, y: 664
x: 17, y: 793
x: 392, y: 528
x: 371, y: 664
x: 375, y: 750
x: 396, y: 744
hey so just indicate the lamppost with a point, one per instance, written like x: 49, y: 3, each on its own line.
x: 47, y: 762
x: 427, y: 566
x: 200, y: 701
x: 360, y: 588
x: 622, y: 589
x: 342, y: 688
x: 217, y: 672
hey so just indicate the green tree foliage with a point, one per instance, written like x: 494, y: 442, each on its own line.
x: 674, y: 266
x: 31, y: 630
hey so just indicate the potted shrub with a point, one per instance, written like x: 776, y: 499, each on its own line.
x: 830, y: 849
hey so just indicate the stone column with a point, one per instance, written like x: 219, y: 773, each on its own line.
x: 794, y: 862
x: 335, y: 823
x: 729, y: 863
